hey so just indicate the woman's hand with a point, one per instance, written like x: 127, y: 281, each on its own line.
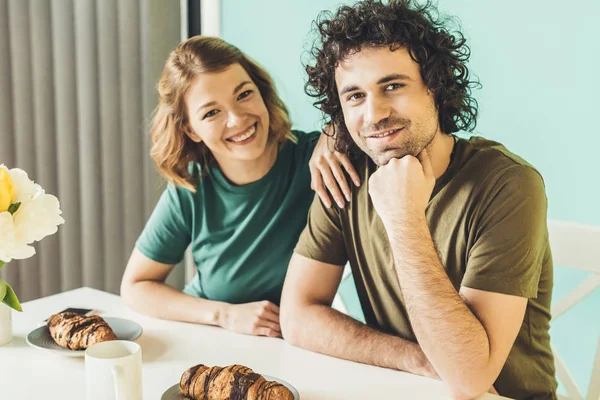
x: 260, y: 318
x: 326, y: 172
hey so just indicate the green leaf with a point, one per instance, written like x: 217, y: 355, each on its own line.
x: 2, y: 264
x: 2, y: 289
x: 10, y: 298
x: 14, y: 207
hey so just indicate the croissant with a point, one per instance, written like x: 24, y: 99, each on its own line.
x: 235, y: 382
x: 77, y: 332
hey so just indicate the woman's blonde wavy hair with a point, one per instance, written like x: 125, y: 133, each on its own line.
x: 172, y: 149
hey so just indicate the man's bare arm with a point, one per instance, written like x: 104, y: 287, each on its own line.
x: 308, y: 321
x: 477, y: 328
x: 467, y: 336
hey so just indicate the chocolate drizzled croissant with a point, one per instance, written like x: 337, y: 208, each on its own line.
x: 235, y: 382
x: 77, y: 332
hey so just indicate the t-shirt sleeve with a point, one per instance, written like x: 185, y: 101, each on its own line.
x: 306, y: 144
x: 166, y: 235
x: 322, y: 239
x: 511, y: 236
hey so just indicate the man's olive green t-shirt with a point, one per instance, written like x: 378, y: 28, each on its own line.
x: 487, y: 217
x: 241, y: 236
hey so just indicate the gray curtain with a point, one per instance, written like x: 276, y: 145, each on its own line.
x: 77, y: 88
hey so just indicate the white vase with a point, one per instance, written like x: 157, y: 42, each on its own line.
x: 5, y: 324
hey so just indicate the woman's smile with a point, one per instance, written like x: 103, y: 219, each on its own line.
x: 244, y: 137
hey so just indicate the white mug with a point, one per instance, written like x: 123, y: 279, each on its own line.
x: 113, y: 371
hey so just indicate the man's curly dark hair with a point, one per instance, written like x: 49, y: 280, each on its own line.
x: 441, y: 55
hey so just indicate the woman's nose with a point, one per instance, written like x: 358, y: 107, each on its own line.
x: 235, y: 119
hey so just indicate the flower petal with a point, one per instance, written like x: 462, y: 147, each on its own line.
x: 10, y: 247
x: 24, y: 188
x: 37, y: 219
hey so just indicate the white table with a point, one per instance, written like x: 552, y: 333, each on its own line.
x: 169, y: 348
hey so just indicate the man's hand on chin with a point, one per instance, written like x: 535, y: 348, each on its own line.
x: 401, y: 189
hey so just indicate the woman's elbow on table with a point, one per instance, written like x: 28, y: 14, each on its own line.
x: 139, y: 271
x: 127, y: 292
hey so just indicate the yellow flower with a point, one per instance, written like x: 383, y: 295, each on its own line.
x: 7, y: 191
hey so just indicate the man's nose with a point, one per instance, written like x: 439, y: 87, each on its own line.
x: 377, y: 110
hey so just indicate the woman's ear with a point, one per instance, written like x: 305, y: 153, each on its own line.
x: 190, y: 133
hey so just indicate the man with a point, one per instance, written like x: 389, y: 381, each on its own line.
x: 446, y: 237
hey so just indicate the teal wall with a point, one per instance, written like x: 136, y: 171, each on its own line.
x: 539, y: 64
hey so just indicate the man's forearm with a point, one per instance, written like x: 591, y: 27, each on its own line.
x: 448, y: 332
x: 325, y: 330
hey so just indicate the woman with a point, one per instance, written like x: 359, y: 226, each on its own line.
x: 239, y: 192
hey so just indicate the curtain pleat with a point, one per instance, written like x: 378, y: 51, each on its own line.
x: 132, y: 125
x: 44, y: 131
x: 20, y: 49
x: 7, y: 136
x: 67, y: 155
x: 90, y: 172
x: 110, y: 140
x: 77, y: 89
x: 155, y: 49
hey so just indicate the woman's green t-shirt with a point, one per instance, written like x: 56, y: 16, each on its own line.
x: 242, y: 237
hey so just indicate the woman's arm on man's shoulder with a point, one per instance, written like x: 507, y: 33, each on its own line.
x: 327, y: 171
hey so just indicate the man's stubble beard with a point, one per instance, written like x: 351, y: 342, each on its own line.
x: 410, y: 145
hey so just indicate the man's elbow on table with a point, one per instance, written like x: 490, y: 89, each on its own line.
x: 309, y: 285
x: 463, y: 393
x: 290, y: 323
x: 295, y: 318
x: 471, y: 385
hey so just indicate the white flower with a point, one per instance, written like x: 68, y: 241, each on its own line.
x: 10, y: 247
x: 38, y: 216
x: 25, y: 189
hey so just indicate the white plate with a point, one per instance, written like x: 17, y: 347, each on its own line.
x: 173, y: 392
x: 124, y: 329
